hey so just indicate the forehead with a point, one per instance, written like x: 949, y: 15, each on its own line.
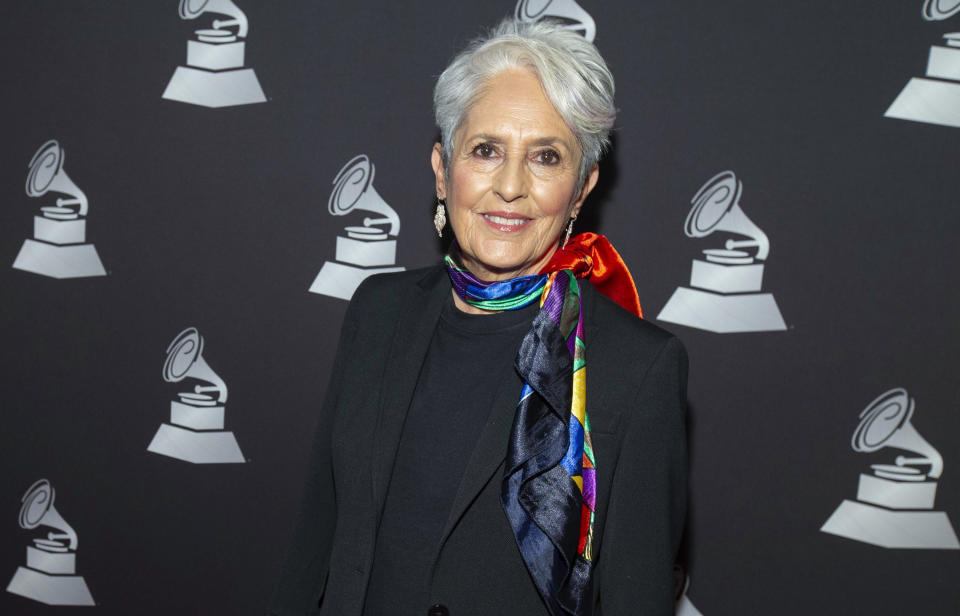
x: 512, y: 104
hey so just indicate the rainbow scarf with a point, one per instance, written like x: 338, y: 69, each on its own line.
x: 549, y: 489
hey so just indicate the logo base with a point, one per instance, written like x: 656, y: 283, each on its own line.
x: 928, y: 100
x: 208, y: 89
x: 50, y: 589
x: 71, y: 261
x: 339, y: 280
x: 887, y: 528
x: 208, y: 447
x: 723, y: 314
x: 685, y: 607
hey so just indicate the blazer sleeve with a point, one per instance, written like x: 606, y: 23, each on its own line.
x: 304, y: 573
x: 648, y: 495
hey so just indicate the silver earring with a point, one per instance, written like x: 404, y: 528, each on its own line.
x: 440, y: 218
x: 569, y: 231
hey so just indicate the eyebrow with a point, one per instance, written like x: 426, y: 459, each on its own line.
x: 536, y: 142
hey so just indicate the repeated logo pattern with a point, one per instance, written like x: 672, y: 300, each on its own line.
x: 363, y: 250
x: 50, y: 575
x: 214, y: 75
x: 567, y: 12
x: 58, y: 247
x: 934, y: 98
x: 894, y: 506
x: 724, y: 294
x: 196, y: 429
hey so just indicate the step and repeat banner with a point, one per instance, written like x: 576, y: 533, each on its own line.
x: 190, y: 193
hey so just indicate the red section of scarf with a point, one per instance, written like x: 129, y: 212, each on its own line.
x: 592, y: 256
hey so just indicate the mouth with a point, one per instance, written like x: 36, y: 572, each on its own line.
x: 506, y: 222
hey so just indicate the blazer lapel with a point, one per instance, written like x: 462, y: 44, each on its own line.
x: 491, y: 448
x: 489, y: 452
x: 421, y: 310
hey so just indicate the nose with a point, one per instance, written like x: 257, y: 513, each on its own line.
x: 510, y: 182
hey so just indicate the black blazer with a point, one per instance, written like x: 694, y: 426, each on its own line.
x: 636, y: 398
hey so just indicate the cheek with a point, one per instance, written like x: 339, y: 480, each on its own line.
x: 468, y: 180
x: 465, y: 190
x: 555, y: 199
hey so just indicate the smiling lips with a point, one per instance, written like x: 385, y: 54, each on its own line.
x: 506, y: 222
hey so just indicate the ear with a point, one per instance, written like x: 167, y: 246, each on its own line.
x: 588, y: 183
x: 436, y: 161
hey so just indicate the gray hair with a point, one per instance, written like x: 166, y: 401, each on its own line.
x: 574, y: 77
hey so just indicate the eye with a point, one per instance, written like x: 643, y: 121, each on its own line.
x: 484, y: 150
x: 548, y: 157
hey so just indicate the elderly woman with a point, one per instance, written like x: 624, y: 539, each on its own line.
x: 464, y: 464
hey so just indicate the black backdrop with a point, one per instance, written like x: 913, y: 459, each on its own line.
x: 217, y: 219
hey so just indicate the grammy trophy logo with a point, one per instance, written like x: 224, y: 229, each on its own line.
x: 366, y: 249
x: 50, y: 575
x: 566, y: 12
x: 938, y: 10
x: 214, y: 75
x: 195, y: 432
x: 57, y: 248
x: 935, y: 97
x: 894, y: 506
x: 684, y: 606
x: 725, y: 296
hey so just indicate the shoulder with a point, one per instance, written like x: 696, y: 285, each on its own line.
x: 389, y: 285
x: 633, y: 358
x: 380, y: 303
x: 620, y: 331
x: 393, y: 291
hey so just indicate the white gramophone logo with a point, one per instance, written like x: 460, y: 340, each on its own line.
x: 567, y: 12
x: 214, y: 75
x: 50, y: 575
x: 57, y: 248
x: 366, y: 250
x: 726, y: 297
x: 935, y: 98
x: 685, y: 606
x: 894, y: 506
x: 195, y: 432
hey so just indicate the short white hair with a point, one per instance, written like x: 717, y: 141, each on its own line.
x: 571, y: 71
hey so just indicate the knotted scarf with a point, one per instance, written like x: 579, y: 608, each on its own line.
x: 549, y: 489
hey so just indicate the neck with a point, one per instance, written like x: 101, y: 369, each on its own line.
x: 463, y: 306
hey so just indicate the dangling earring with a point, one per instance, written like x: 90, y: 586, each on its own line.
x: 569, y: 231
x: 440, y: 218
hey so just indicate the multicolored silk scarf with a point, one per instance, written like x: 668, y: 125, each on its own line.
x: 549, y: 489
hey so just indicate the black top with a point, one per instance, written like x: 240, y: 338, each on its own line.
x: 468, y: 357
x: 636, y: 394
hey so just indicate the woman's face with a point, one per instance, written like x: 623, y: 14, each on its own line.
x: 512, y: 183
